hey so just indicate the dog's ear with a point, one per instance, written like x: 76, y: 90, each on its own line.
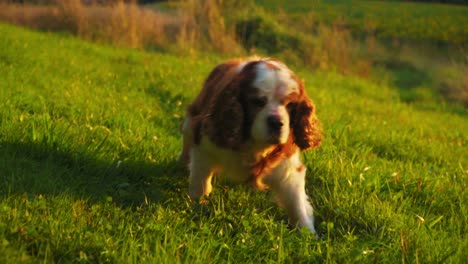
x: 224, y: 125
x: 224, y: 120
x: 305, y: 125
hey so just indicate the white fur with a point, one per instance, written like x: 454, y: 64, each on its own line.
x: 274, y: 84
x: 288, y: 184
x: 275, y: 81
x: 260, y: 128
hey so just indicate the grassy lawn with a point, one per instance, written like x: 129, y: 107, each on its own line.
x: 419, y: 48
x: 88, y: 172
x: 386, y: 19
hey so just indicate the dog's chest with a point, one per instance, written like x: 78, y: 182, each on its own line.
x: 233, y: 165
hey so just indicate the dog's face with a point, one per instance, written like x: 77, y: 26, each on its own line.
x: 262, y: 102
x: 266, y: 103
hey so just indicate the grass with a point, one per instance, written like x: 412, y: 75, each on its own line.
x: 441, y: 23
x: 427, y: 41
x: 88, y: 172
x: 420, y: 48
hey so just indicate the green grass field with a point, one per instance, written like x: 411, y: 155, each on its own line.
x: 88, y: 172
x: 386, y: 19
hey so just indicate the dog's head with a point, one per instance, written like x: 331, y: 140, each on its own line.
x: 259, y: 101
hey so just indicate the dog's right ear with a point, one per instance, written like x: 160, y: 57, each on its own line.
x: 224, y: 118
x: 224, y: 125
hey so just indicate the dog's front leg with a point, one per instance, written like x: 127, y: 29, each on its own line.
x: 187, y: 141
x: 288, y: 184
x: 201, y: 172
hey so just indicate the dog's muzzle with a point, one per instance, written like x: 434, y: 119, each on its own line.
x: 275, y: 126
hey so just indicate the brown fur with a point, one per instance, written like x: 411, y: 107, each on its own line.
x: 216, y: 110
x: 304, y: 123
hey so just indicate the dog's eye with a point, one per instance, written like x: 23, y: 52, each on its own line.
x: 258, y: 101
x: 290, y: 105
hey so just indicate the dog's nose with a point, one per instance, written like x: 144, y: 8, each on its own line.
x: 274, y: 122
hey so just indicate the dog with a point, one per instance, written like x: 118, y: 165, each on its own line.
x: 250, y: 122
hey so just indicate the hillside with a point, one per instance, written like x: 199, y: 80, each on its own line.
x: 88, y: 172
x: 404, y: 20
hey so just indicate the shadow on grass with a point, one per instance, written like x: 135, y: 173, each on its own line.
x: 408, y: 79
x: 418, y: 87
x: 34, y: 169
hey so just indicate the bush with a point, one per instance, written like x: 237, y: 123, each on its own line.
x: 264, y: 33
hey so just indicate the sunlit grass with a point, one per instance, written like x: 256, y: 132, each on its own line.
x: 386, y: 19
x: 88, y: 172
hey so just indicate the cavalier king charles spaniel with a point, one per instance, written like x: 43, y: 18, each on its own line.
x: 250, y: 123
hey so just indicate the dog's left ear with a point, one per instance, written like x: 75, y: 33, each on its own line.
x: 305, y: 125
